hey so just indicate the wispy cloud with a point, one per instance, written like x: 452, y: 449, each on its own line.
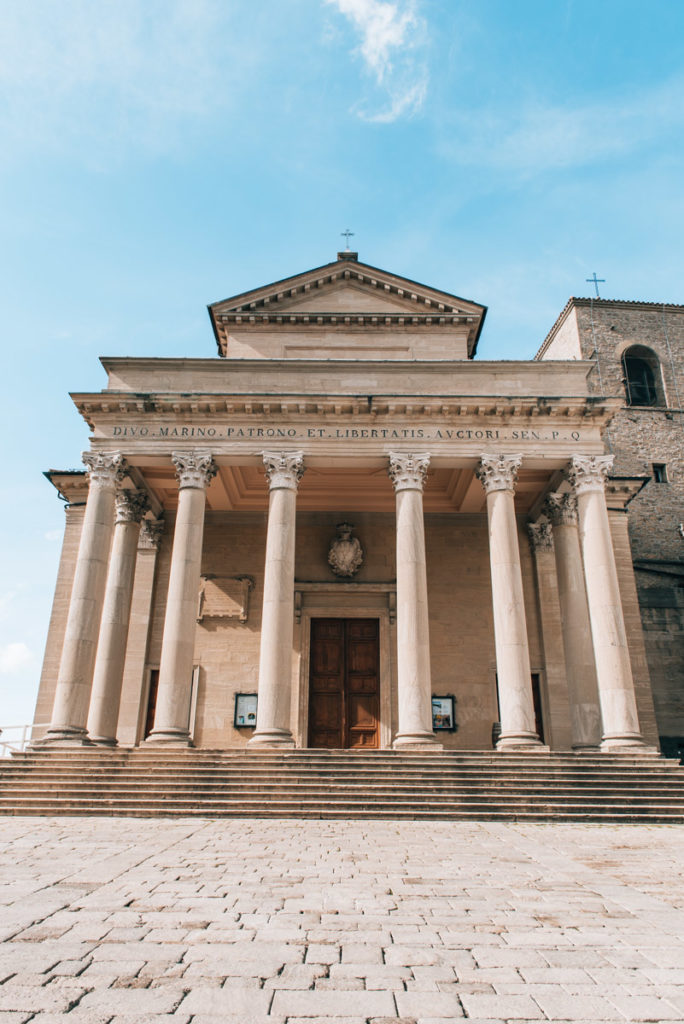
x: 540, y: 138
x: 113, y: 73
x: 393, y: 37
x: 13, y: 657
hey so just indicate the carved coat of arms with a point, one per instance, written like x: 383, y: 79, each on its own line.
x: 346, y: 554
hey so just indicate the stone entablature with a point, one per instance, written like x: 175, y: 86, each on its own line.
x: 327, y: 380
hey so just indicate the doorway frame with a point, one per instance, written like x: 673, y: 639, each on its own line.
x: 330, y: 604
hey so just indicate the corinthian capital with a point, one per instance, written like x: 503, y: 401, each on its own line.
x: 589, y: 472
x: 193, y: 468
x: 283, y: 469
x: 561, y: 508
x: 130, y: 506
x: 105, y: 469
x: 541, y: 536
x: 408, y: 471
x: 151, y: 534
x: 498, y: 472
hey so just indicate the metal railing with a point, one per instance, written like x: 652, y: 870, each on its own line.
x: 17, y: 746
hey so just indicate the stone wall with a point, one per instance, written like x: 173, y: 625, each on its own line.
x: 461, y: 628
x: 640, y: 437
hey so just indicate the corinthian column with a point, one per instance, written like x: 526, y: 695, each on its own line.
x: 585, y: 715
x: 194, y: 470
x: 587, y: 475
x: 497, y: 474
x: 407, y: 473
x: 111, y: 648
x: 284, y: 470
x: 72, y: 696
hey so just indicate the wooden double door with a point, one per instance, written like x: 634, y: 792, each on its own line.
x: 344, y: 684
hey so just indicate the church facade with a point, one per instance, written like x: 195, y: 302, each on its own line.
x: 344, y: 531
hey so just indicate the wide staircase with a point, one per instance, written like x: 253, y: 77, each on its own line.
x: 343, y: 784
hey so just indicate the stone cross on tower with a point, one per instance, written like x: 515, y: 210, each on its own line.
x: 596, y: 281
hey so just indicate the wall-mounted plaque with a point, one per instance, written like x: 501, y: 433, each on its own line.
x: 224, y: 597
x: 444, y: 713
x: 245, y: 710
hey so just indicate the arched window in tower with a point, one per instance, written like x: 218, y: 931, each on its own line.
x: 642, y: 377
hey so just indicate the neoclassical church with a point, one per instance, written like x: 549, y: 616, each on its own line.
x: 343, y: 530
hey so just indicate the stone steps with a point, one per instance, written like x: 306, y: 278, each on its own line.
x: 341, y: 784
x: 287, y: 791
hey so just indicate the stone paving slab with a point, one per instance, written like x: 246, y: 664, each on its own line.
x: 111, y: 921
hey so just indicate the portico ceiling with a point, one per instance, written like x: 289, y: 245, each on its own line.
x: 360, y: 489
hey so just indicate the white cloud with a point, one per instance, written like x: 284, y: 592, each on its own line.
x: 115, y: 72
x: 392, y: 37
x: 541, y: 138
x: 14, y: 656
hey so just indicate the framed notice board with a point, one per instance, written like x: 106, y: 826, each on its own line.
x: 245, y: 710
x: 444, y: 713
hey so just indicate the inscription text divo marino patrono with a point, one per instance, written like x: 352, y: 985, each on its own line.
x: 301, y: 433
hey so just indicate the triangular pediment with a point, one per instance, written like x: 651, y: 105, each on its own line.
x: 341, y: 290
x: 347, y: 297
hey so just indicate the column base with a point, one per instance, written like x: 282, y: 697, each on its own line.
x: 66, y: 736
x: 104, y: 741
x: 628, y: 743
x: 417, y: 741
x: 169, y: 738
x: 279, y: 739
x: 586, y: 748
x: 527, y: 741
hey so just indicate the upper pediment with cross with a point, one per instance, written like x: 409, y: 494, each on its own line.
x: 347, y: 310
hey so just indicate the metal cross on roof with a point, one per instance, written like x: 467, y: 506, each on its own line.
x: 347, y: 234
x: 596, y: 281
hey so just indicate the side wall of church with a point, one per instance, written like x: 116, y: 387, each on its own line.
x: 640, y: 437
x: 58, y: 616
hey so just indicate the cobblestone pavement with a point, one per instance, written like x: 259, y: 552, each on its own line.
x: 110, y: 920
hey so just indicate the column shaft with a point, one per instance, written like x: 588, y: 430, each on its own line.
x: 283, y: 470
x: 413, y: 635
x: 172, y: 716
x: 585, y: 712
x: 72, y: 695
x: 133, y: 710
x: 111, y: 649
x: 611, y: 653
x: 516, y: 705
x: 556, y: 706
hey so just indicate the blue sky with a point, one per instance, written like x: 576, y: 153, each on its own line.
x: 157, y: 155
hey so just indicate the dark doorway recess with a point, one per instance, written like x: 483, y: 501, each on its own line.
x: 344, y: 684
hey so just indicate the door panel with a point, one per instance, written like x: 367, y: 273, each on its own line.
x: 344, y: 685
x: 326, y: 691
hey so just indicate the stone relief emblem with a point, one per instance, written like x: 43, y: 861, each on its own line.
x: 346, y: 554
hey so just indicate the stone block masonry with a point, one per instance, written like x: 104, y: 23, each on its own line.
x: 284, y: 922
x: 641, y: 437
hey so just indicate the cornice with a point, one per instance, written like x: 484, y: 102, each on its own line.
x: 345, y: 270
x: 304, y: 406
x: 367, y: 320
